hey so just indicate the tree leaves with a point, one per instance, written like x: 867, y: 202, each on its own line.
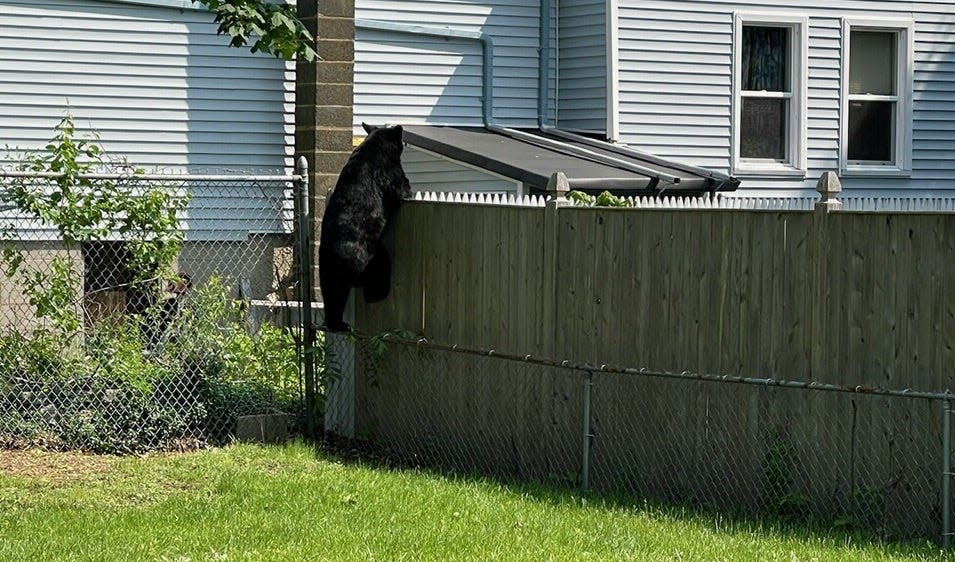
x: 269, y: 28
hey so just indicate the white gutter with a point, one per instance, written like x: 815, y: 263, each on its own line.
x: 543, y: 64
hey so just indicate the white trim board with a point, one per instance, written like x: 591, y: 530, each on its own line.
x: 613, y: 70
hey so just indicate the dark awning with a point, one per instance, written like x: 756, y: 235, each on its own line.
x: 532, y: 157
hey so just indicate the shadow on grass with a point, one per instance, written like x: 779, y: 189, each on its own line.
x: 796, y: 525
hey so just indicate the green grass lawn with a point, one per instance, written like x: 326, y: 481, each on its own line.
x: 291, y: 503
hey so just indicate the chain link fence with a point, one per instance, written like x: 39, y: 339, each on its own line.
x: 96, y: 355
x: 845, y: 459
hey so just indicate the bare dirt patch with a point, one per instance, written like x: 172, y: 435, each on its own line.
x: 54, y: 467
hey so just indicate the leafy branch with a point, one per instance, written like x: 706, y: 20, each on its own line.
x: 271, y: 28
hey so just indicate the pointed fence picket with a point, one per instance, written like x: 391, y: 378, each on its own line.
x: 728, y: 202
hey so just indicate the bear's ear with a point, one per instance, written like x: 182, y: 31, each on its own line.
x: 368, y: 128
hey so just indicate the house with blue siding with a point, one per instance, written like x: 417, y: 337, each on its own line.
x: 770, y: 94
x: 152, y: 76
x: 161, y: 88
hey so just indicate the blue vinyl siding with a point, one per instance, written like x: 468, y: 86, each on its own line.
x: 157, y: 82
x: 582, y: 65
x: 161, y: 88
x: 401, y: 78
x: 676, y: 90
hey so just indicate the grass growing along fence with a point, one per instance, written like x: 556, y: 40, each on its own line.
x: 293, y: 503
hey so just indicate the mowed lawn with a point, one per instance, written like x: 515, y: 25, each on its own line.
x: 292, y: 503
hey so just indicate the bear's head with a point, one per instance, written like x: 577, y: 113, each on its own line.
x: 381, y: 150
x: 384, y: 141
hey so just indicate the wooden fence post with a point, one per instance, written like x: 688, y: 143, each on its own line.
x: 828, y: 187
x: 558, y: 185
x: 552, y: 409
x: 549, y: 281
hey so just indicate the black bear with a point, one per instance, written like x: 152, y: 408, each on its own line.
x: 351, y: 252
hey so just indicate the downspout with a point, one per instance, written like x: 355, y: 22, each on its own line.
x: 543, y: 65
x: 613, y: 70
x: 487, y: 49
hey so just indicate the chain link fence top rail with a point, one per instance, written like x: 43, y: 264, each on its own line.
x: 868, y: 460
x: 160, y: 362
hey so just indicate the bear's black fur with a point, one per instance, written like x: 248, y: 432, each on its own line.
x: 351, y: 253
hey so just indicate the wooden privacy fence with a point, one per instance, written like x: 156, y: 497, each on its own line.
x: 862, y: 298
x: 857, y: 299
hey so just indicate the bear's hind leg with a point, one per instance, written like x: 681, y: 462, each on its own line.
x: 335, y: 291
x: 335, y: 298
x: 376, y: 279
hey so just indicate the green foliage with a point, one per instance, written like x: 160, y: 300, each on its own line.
x: 52, y: 293
x: 113, y: 388
x: 244, y: 370
x: 272, y: 28
x: 215, y: 335
x: 31, y: 363
x: 82, y: 209
x: 115, y: 346
x: 582, y: 199
x: 605, y: 199
x: 114, y: 394
x: 98, y: 397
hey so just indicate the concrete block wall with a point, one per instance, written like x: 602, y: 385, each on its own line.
x: 324, y: 99
x: 16, y: 312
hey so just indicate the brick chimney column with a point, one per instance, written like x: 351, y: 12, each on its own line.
x: 324, y: 96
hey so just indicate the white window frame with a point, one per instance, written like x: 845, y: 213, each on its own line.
x: 795, y: 163
x: 905, y: 53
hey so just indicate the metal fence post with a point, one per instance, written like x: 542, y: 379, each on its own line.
x: 305, y: 295
x: 587, y: 433
x: 946, y: 472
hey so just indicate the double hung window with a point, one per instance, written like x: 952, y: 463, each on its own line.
x: 769, y: 95
x: 876, y: 107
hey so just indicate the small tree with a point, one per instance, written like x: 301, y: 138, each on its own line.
x: 82, y: 209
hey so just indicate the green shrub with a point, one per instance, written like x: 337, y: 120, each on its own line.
x: 605, y: 199
x: 214, y: 336
x: 110, y: 387
x: 29, y: 363
x: 115, y: 394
